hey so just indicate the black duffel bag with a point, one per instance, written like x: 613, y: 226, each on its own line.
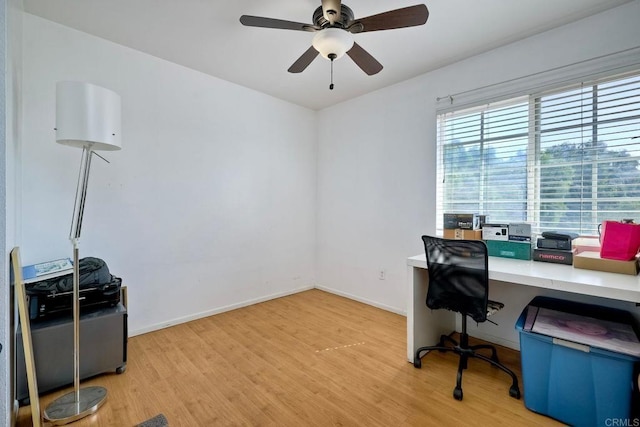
x: 98, y: 288
x: 93, y: 273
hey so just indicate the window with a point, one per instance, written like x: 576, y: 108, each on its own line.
x: 563, y: 160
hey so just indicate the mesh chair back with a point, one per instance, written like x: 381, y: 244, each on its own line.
x: 458, y: 276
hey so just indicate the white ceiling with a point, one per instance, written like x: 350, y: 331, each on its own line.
x: 206, y: 35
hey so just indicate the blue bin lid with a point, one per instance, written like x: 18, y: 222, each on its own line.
x: 596, y: 326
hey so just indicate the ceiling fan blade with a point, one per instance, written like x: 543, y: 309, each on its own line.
x: 331, y: 9
x: 259, y: 21
x: 364, y: 60
x: 303, y: 62
x: 399, y: 18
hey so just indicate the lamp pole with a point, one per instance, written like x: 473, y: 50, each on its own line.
x: 82, y: 401
x: 74, y: 237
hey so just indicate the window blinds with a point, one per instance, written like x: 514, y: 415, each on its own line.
x: 563, y: 160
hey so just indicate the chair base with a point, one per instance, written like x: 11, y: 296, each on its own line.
x: 464, y: 351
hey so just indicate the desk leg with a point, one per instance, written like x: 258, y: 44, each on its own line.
x: 424, y: 326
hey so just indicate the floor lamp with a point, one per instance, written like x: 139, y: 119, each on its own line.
x: 87, y: 117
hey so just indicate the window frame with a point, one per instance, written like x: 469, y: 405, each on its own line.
x: 535, y: 132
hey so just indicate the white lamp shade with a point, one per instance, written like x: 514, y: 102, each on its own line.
x: 332, y: 41
x: 87, y: 116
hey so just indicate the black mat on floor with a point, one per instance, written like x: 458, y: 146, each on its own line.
x: 157, y: 421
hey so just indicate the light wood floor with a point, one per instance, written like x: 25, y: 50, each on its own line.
x: 310, y: 359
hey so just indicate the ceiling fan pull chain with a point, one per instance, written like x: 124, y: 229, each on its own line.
x: 332, y: 56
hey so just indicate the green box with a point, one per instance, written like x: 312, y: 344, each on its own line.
x: 509, y: 249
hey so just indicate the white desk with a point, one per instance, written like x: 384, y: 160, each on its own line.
x: 424, y: 326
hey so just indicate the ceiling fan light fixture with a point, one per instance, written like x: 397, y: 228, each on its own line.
x: 332, y: 41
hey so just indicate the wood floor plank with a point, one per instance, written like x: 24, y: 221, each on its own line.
x: 309, y: 359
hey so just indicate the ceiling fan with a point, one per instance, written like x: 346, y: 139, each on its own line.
x: 334, y: 24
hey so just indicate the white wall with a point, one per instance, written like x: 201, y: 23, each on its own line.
x: 373, y: 195
x: 209, y: 205
x: 376, y: 180
x: 5, y: 303
x: 10, y: 136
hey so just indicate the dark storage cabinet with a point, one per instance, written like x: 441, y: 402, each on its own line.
x: 103, y: 348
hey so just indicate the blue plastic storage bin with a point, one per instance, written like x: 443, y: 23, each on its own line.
x: 578, y: 384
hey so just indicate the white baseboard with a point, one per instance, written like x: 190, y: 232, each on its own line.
x: 214, y: 311
x: 363, y: 300
x: 493, y: 339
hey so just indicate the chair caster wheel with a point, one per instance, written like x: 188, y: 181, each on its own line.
x: 514, y: 392
x: 457, y: 393
x: 417, y: 363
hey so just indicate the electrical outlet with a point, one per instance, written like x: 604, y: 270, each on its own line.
x: 382, y: 275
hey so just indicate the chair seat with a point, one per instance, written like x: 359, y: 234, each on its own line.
x: 493, y: 307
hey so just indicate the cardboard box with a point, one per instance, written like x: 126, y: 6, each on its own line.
x: 514, y: 250
x: 465, y: 221
x: 495, y: 232
x: 592, y: 261
x: 460, y: 234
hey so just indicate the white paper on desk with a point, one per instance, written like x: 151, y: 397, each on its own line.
x: 605, y: 334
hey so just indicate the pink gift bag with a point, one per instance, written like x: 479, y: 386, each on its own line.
x: 620, y: 241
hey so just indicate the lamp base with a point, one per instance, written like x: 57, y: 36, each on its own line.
x: 65, y: 409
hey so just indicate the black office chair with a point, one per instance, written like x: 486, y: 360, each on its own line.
x: 459, y: 281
